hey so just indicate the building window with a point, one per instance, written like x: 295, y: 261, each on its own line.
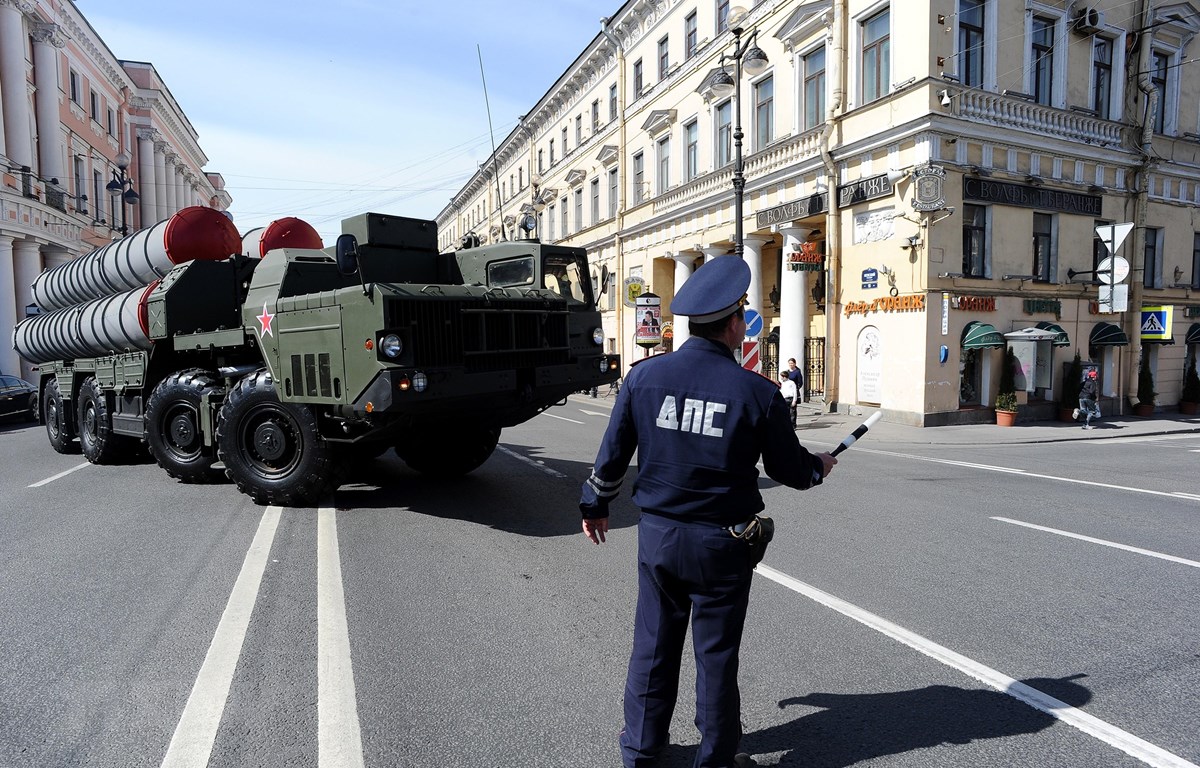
x: 95, y: 104
x: 1159, y: 64
x: 664, y: 164
x: 578, y: 130
x: 80, y: 194
x: 764, y: 112
x: 614, y: 192
x: 974, y: 261
x: 637, y: 79
x: 1196, y: 260
x: 691, y: 164
x: 612, y: 103
x: 876, y: 56
x: 112, y: 123
x: 541, y: 162
x: 1152, y: 263
x: 73, y: 78
x: 664, y: 59
x: 552, y: 152
x: 550, y: 223
x: 724, y: 134
x: 639, y: 178
x: 1042, y: 55
x: 1099, y: 250
x: 814, y: 89
x: 521, y: 178
x: 565, y: 218
x: 564, y: 138
x: 595, y: 115
x: 970, y: 42
x: 595, y: 187
x: 1043, y: 247
x: 1102, y: 52
x: 690, y: 36
x: 722, y: 16
x: 579, y: 209
x: 98, y: 195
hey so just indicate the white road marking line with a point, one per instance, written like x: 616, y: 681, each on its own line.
x: 1103, y: 542
x: 593, y: 413
x: 52, y: 478
x: 561, y: 418
x: 530, y: 462
x: 339, y: 740
x: 191, y: 745
x: 1093, y: 726
x: 1023, y: 473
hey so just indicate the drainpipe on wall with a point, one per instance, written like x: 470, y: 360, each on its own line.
x: 618, y: 243
x: 833, y: 283
x: 1137, y: 260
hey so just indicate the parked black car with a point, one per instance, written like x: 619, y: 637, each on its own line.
x: 18, y: 396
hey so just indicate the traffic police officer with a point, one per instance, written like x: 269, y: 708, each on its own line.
x: 699, y: 422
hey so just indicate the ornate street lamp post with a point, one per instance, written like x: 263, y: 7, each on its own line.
x: 121, y: 190
x: 748, y: 56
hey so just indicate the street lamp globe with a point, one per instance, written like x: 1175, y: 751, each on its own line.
x: 721, y: 83
x: 737, y: 18
x: 755, y: 61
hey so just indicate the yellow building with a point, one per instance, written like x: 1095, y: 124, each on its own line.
x: 926, y: 183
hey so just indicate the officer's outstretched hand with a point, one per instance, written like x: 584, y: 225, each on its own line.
x: 596, y: 527
x: 827, y: 462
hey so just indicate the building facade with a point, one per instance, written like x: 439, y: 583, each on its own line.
x: 910, y: 210
x: 75, y: 118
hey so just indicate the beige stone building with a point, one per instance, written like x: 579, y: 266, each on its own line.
x: 924, y: 186
x: 73, y: 118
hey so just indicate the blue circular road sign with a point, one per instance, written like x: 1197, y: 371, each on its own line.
x: 754, y: 322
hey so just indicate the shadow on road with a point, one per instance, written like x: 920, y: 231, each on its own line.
x: 851, y: 729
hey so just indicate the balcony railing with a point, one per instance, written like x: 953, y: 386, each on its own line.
x: 34, y: 188
x: 1011, y: 112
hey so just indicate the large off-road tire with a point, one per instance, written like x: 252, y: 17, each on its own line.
x: 273, y: 451
x: 173, y: 432
x: 60, y: 422
x: 451, y: 452
x: 94, y: 426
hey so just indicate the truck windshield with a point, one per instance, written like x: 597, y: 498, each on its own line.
x: 512, y: 272
x: 566, y: 275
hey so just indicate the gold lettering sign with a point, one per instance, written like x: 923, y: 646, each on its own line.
x: 912, y: 303
x: 975, y: 303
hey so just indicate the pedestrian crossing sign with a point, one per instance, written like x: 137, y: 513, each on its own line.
x: 1156, y: 323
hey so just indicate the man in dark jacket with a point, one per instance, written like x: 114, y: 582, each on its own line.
x: 1088, y: 397
x: 699, y: 423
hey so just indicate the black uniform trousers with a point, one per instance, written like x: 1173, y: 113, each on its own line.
x: 702, y: 571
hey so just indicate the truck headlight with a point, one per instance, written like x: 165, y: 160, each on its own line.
x: 420, y: 381
x: 391, y: 345
x: 597, y: 336
x: 603, y: 365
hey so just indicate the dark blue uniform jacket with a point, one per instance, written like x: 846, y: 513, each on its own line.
x: 699, y: 422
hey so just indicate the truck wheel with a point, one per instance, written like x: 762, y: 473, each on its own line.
x: 94, y: 424
x: 60, y: 427
x: 454, y: 451
x: 273, y: 451
x: 173, y: 431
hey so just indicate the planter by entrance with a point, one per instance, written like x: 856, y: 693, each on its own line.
x: 1006, y: 418
x: 1188, y: 409
x: 1143, y: 410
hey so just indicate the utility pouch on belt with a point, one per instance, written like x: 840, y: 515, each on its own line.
x: 757, y: 532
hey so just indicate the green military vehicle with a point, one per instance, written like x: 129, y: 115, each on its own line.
x: 289, y: 368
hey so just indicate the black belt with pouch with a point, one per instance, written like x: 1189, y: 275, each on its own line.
x: 756, y: 532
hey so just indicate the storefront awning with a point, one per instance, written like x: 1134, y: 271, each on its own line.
x: 1031, y: 334
x: 1193, y: 334
x: 1062, y: 339
x: 1107, y: 335
x: 979, y: 335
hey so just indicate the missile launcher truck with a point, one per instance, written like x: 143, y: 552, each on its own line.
x: 281, y: 371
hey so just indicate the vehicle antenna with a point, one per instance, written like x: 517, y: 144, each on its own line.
x: 492, y: 136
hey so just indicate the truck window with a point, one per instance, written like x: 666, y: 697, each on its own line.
x: 566, y: 275
x: 503, y: 274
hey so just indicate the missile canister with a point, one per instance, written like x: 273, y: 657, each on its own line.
x: 114, y: 323
x: 132, y: 262
x: 288, y: 232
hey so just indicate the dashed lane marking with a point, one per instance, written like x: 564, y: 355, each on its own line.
x: 535, y: 464
x: 562, y: 418
x: 339, y: 739
x: 1102, y: 542
x: 52, y: 478
x: 1109, y: 734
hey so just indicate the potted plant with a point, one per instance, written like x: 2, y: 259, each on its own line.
x: 1069, y: 400
x: 1189, y: 399
x: 1006, y: 397
x: 1145, y: 390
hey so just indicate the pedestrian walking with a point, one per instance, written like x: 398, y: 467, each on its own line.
x: 787, y: 388
x: 797, y: 377
x: 1088, y: 397
x: 699, y: 423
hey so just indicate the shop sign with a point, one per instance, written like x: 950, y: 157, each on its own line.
x: 1035, y: 306
x: 911, y: 303
x: 975, y: 303
x: 929, y: 188
x: 807, y: 259
x: 634, y: 286
x: 1028, y: 196
x: 863, y: 190
x: 798, y: 209
x: 1191, y: 311
x: 648, y: 318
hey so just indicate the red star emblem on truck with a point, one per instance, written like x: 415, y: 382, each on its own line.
x: 265, y: 319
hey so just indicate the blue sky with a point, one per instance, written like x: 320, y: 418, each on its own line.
x: 325, y: 110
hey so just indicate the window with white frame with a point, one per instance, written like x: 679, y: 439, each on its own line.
x: 80, y: 189
x: 690, y: 35
x: 550, y: 223
x: 1041, y: 54
x: 663, y: 150
x: 814, y: 88
x: 612, y: 102
x: 1160, y: 67
x: 565, y: 211
x: 595, y: 188
x: 578, y: 130
x: 664, y: 58
x: 971, y: 42
x: 76, y: 91
x: 975, y: 241
x: 614, y: 192
x: 1102, y: 69
x: 98, y: 190
x: 95, y: 105
x: 764, y: 113
x: 564, y: 138
x: 578, y: 209
x: 1043, y: 247
x: 639, y: 178
x: 1152, y: 261
x: 722, y: 16
x: 724, y: 130
x: 112, y: 123
x: 691, y: 161
x: 638, y: 79
x: 876, y: 56
x: 551, y: 151
x: 595, y: 115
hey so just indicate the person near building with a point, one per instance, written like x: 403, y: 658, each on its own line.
x: 787, y: 388
x: 1088, y: 399
x: 699, y: 423
x: 797, y: 377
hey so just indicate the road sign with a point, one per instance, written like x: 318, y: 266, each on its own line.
x: 1156, y: 323
x: 754, y: 323
x: 1112, y: 269
x: 751, y: 359
x: 1112, y: 235
x: 1114, y: 298
x: 870, y: 278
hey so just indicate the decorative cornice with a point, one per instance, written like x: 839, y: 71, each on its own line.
x: 48, y: 33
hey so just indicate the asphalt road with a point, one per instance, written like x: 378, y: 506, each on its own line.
x: 999, y: 605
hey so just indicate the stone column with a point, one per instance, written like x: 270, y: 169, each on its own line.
x: 10, y: 313
x: 684, y: 261
x: 713, y: 251
x: 169, y: 185
x: 13, y: 90
x: 46, y: 42
x: 160, y: 181
x: 148, y: 202
x: 752, y: 252
x: 793, y: 301
x: 27, y: 265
